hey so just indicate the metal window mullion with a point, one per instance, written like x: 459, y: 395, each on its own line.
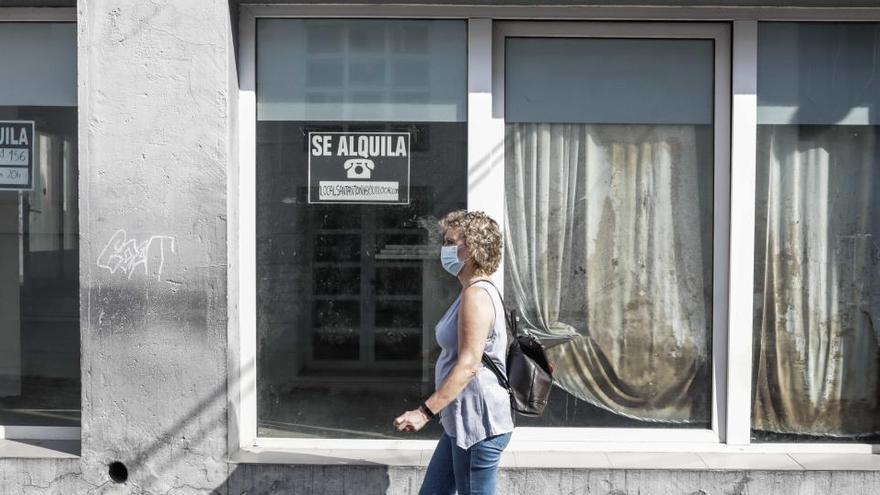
x: 242, y: 331
x: 742, y: 231
x: 485, y: 131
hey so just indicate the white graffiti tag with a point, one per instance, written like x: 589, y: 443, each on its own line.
x: 125, y: 255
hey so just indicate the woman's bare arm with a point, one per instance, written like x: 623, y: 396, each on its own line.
x: 475, y: 317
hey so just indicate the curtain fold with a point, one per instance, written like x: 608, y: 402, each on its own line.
x: 817, y: 365
x: 608, y: 256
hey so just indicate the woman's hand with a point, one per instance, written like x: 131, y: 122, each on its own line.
x: 411, y: 421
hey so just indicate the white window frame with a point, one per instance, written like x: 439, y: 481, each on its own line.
x: 719, y: 33
x: 15, y: 432
x: 735, y: 157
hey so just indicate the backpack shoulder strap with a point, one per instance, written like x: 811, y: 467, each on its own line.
x: 502, y: 379
x: 509, y: 320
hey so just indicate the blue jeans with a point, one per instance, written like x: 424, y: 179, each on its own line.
x: 471, y: 472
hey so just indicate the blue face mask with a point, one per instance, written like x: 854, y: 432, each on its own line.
x: 449, y: 260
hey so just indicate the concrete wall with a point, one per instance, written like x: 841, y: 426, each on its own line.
x: 154, y: 114
x: 406, y: 481
x: 154, y: 88
x: 63, y: 477
x: 157, y: 85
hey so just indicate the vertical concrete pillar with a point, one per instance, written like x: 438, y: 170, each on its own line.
x: 154, y: 126
x: 10, y: 313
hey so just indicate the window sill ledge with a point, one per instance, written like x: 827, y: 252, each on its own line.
x: 39, y: 449
x: 681, y: 461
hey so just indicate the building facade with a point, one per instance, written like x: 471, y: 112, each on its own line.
x: 220, y: 265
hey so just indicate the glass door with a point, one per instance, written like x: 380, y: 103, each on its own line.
x: 615, y: 162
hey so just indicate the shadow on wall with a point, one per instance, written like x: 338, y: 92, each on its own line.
x: 192, y: 440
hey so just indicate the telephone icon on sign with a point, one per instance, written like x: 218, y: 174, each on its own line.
x: 359, y: 168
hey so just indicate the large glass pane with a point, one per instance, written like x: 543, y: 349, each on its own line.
x: 361, y: 147
x: 366, y: 70
x: 39, y: 60
x: 672, y: 81
x: 39, y: 229
x: 817, y: 256
x: 609, y: 223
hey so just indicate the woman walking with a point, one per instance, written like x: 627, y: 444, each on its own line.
x: 474, y: 408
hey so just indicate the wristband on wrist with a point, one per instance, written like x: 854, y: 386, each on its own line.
x: 426, y: 411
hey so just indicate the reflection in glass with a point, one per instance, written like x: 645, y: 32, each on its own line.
x: 39, y: 279
x: 369, y: 70
x: 348, y: 294
x: 817, y: 257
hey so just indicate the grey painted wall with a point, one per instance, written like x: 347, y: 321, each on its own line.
x: 156, y: 92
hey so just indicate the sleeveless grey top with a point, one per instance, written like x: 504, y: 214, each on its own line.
x: 482, y: 409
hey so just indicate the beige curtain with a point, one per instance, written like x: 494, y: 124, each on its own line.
x: 817, y: 368
x: 608, y: 256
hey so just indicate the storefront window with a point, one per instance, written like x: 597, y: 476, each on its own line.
x: 39, y: 241
x: 609, y: 215
x: 361, y: 147
x: 817, y: 254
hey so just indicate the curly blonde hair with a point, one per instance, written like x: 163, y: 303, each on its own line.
x: 481, y: 235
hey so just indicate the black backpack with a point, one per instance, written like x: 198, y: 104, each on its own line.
x: 529, y: 375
